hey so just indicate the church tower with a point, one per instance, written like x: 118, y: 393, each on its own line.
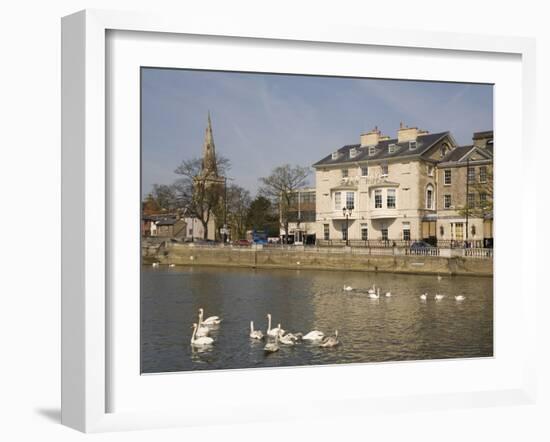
x: 209, y: 185
x: 209, y: 165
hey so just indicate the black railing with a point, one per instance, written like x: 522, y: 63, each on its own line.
x: 463, y: 244
x: 399, y: 243
x: 371, y: 243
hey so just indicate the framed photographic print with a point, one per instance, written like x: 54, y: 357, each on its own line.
x: 287, y: 216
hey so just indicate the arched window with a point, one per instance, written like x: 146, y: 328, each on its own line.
x: 429, y: 197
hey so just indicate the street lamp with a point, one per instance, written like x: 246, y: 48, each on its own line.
x: 346, y: 211
x: 224, y: 210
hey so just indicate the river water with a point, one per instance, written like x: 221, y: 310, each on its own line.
x: 401, y: 327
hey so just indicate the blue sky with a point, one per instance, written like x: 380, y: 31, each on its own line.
x: 261, y: 121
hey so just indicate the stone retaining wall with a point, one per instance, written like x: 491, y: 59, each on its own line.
x: 319, y: 259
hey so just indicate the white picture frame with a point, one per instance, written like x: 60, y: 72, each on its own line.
x: 85, y: 200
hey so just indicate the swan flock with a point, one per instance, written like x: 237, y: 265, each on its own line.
x: 277, y: 337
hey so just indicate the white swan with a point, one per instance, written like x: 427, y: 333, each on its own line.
x: 373, y: 295
x: 372, y: 290
x: 172, y: 265
x: 255, y: 334
x: 439, y: 297
x: 460, y: 297
x: 211, y: 320
x: 155, y: 264
x: 314, y: 335
x: 295, y: 336
x: 272, y: 331
x: 202, y: 341
x: 348, y: 288
x: 201, y: 329
x: 439, y: 278
x: 388, y: 294
x: 272, y: 346
x: 331, y: 341
x: 424, y: 296
x: 286, y: 339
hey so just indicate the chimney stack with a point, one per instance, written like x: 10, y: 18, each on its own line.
x: 482, y: 139
x: 405, y: 133
x: 371, y: 138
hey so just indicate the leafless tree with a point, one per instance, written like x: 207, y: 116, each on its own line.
x: 200, y: 194
x: 280, y: 186
x: 483, y: 192
x: 238, y: 205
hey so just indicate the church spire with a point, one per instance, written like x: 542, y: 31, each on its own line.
x: 209, y: 166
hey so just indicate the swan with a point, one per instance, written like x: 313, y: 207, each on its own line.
x: 295, y: 336
x: 373, y: 295
x: 331, y: 341
x: 439, y: 278
x: 286, y: 339
x: 314, y: 335
x: 439, y: 297
x: 460, y: 297
x: 388, y: 294
x: 202, y: 341
x: 371, y: 290
x: 172, y: 265
x: 255, y: 334
x: 201, y: 329
x: 155, y: 264
x: 348, y: 288
x: 211, y: 320
x: 424, y: 296
x: 273, y: 346
x: 272, y: 331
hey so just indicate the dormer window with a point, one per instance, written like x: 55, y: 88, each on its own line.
x: 353, y: 152
x: 412, y: 145
x: 372, y: 150
x: 392, y: 148
x: 335, y: 155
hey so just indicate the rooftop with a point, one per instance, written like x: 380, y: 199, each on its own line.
x: 381, y: 151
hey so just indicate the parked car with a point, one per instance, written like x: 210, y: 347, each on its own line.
x: 204, y: 242
x: 421, y: 245
x: 241, y: 242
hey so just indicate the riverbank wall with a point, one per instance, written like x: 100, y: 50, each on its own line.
x: 316, y: 259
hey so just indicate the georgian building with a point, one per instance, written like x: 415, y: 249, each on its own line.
x: 464, y: 200
x: 393, y: 188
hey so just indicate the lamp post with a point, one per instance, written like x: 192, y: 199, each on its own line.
x: 346, y: 211
x: 224, y: 210
x: 467, y: 196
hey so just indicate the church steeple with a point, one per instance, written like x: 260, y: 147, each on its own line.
x: 209, y: 166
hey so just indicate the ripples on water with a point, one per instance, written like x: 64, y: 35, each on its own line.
x: 389, y: 329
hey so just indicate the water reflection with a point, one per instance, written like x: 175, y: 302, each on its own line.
x: 400, y: 327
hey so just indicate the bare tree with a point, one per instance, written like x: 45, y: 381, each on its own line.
x: 483, y: 194
x: 238, y: 205
x: 280, y: 186
x: 164, y: 196
x: 199, y: 193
